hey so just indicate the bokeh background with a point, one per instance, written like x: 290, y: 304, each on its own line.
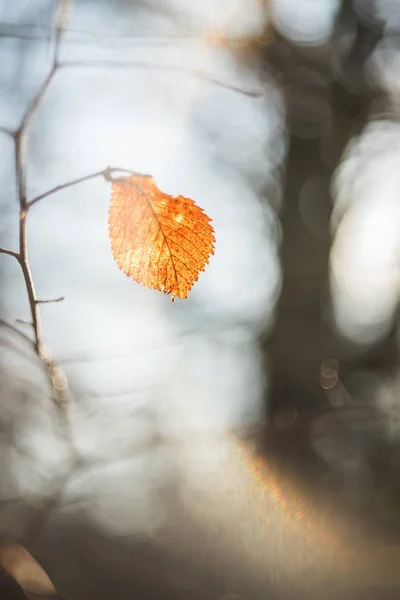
x: 243, y: 443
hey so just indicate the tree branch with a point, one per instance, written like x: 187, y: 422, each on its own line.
x: 60, y: 299
x: 106, y: 173
x: 7, y: 131
x: 10, y: 253
x: 22, y: 255
x: 42, y: 32
x: 17, y: 332
x: 64, y: 186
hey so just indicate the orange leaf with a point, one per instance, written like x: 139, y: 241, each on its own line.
x: 158, y: 240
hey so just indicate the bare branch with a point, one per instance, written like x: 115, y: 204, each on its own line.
x: 115, y: 64
x: 60, y: 299
x: 64, y: 186
x: 7, y: 131
x: 42, y: 32
x: 61, y: 8
x: 10, y: 253
x: 23, y: 322
x: 106, y: 173
x: 22, y: 255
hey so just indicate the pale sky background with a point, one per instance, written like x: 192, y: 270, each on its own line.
x: 128, y: 351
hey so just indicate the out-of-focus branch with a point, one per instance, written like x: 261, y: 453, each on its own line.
x: 42, y: 32
x: 7, y: 131
x: 115, y: 64
x: 17, y: 332
x: 150, y: 39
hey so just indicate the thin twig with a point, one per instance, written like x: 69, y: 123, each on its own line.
x: 7, y: 131
x: 60, y: 299
x: 17, y: 332
x: 23, y: 322
x: 115, y: 64
x: 106, y: 173
x: 63, y: 186
x: 10, y: 253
